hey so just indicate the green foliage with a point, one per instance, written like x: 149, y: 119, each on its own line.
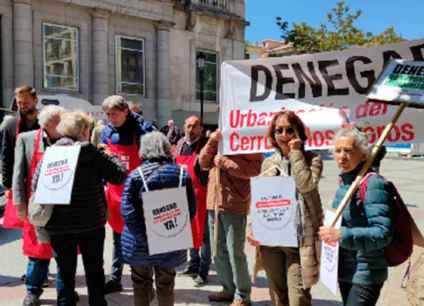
x: 337, y: 33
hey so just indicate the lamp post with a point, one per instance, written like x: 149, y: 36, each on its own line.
x: 200, y: 62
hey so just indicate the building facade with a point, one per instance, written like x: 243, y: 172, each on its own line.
x: 143, y: 49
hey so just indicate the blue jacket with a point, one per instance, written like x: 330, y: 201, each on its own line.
x: 158, y: 175
x: 133, y: 128
x: 366, y: 230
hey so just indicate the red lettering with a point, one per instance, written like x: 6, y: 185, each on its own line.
x: 262, y: 119
x: 329, y: 134
x: 394, y: 134
x: 244, y: 143
x: 408, y: 132
x: 234, y: 138
x: 251, y: 118
x: 318, y: 138
x: 234, y: 118
x: 375, y: 109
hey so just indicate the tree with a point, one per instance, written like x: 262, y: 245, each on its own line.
x: 338, y: 33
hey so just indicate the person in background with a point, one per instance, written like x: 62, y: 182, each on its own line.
x: 135, y: 107
x: 82, y: 222
x: 366, y: 227
x: 291, y: 271
x: 121, y: 137
x: 172, y: 131
x: 187, y: 151
x: 159, y: 172
x: 229, y: 191
x: 26, y: 120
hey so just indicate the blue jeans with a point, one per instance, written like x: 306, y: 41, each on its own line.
x: 231, y: 262
x: 117, y: 261
x: 359, y: 295
x: 200, y: 259
x: 36, y: 275
x: 91, y: 245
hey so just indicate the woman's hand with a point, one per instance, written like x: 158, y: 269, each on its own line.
x: 249, y: 236
x: 295, y: 144
x: 329, y: 234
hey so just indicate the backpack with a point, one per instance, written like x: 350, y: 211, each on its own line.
x: 401, y: 246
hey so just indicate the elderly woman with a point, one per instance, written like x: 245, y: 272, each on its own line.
x: 159, y: 172
x: 82, y: 222
x: 291, y: 272
x: 366, y: 227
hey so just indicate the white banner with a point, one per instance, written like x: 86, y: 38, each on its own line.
x: 274, y: 210
x: 252, y: 90
x: 57, y: 175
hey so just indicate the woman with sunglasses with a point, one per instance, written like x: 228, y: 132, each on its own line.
x: 291, y: 272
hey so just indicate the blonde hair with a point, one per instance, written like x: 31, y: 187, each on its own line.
x: 74, y: 123
x: 48, y: 112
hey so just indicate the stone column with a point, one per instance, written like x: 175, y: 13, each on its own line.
x: 163, y: 72
x: 100, y: 55
x: 23, y: 45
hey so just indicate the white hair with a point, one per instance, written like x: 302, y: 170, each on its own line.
x: 116, y: 102
x: 155, y: 145
x: 360, y: 139
x: 48, y: 112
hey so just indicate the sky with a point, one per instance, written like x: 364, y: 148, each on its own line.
x: 405, y: 15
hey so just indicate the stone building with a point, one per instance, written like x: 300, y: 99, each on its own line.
x: 143, y: 49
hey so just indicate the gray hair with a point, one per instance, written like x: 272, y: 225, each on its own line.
x: 360, y: 138
x: 116, y: 102
x: 72, y: 124
x: 155, y: 145
x: 48, y: 112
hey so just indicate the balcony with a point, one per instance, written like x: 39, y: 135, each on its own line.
x: 214, y: 4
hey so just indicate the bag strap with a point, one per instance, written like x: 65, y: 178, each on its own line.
x: 181, y: 177
x: 364, y: 184
x: 180, y: 180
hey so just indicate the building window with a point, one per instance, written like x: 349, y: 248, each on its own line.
x: 130, y: 65
x: 61, y: 60
x: 209, y: 75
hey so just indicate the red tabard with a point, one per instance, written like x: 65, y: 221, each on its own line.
x: 31, y: 246
x: 10, y: 219
x: 198, y: 223
x: 129, y: 157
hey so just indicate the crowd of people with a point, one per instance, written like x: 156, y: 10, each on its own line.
x: 126, y: 157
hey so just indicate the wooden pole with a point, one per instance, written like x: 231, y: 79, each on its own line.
x: 216, y: 215
x: 376, y: 148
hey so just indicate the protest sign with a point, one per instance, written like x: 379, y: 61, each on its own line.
x: 253, y: 90
x: 57, y: 175
x: 167, y: 220
x: 330, y: 257
x: 401, y: 81
x: 274, y: 210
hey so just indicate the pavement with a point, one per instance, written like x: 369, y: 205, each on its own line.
x: 407, y: 174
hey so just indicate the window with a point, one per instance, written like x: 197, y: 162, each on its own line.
x: 61, y: 60
x: 130, y: 65
x: 209, y: 76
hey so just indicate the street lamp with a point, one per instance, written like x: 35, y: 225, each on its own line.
x: 200, y: 62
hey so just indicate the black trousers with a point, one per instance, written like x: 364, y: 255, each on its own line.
x: 359, y: 295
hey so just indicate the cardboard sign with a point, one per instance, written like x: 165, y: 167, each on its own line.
x: 167, y: 219
x: 57, y: 175
x: 274, y: 210
x: 330, y: 257
x: 315, y: 86
x: 401, y: 81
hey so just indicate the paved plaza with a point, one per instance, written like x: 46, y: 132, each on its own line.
x: 407, y: 174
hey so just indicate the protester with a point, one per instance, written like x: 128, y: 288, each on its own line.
x: 121, y: 137
x: 229, y: 191
x: 291, y: 272
x: 135, y: 107
x: 172, y: 131
x: 159, y: 172
x: 366, y: 227
x: 82, y: 222
x: 188, y: 148
x: 30, y: 147
x: 26, y: 120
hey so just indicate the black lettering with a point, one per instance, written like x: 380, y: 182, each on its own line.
x: 398, y: 69
x: 420, y: 71
x: 281, y: 80
x: 405, y: 69
x: 413, y: 70
x: 254, y: 97
x: 332, y: 90
x: 302, y: 77
x: 388, y: 56
x: 417, y: 52
x: 351, y: 76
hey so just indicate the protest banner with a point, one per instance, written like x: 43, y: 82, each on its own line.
x: 57, y: 175
x: 253, y: 90
x: 274, y: 210
x: 167, y: 220
x: 330, y: 257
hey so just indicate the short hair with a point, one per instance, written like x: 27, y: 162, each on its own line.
x: 72, y: 124
x: 155, y: 145
x: 116, y: 102
x: 360, y: 139
x: 26, y: 89
x: 48, y: 112
x: 294, y: 121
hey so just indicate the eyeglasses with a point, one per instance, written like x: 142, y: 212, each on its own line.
x: 288, y: 130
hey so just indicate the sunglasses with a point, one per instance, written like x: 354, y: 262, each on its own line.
x: 289, y: 131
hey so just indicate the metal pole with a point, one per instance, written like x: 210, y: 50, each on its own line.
x: 202, y: 80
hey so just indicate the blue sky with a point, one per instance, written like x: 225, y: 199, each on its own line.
x: 405, y: 15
